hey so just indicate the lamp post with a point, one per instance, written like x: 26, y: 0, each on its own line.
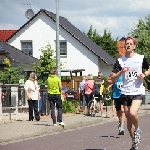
x: 57, y: 40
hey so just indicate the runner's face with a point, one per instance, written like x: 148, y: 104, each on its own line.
x: 129, y: 45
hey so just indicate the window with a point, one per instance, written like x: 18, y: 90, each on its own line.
x: 63, y: 48
x: 26, y: 47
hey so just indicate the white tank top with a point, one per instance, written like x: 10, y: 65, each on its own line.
x: 132, y: 85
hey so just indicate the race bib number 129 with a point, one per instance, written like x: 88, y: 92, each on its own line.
x: 131, y: 74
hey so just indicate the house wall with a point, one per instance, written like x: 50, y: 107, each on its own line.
x: 41, y: 30
x: 104, y: 68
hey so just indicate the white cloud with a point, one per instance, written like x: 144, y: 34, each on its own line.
x: 138, y: 6
x: 115, y: 15
x: 8, y: 27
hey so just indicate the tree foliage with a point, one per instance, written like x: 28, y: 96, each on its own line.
x: 11, y: 75
x: 141, y: 31
x: 105, y: 41
x: 47, y: 61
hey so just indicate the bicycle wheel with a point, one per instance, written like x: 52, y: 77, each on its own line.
x: 92, y: 109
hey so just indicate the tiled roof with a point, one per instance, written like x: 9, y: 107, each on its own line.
x: 77, y: 34
x: 17, y: 55
x: 5, y: 34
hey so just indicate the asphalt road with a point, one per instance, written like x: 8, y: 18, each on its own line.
x: 98, y: 137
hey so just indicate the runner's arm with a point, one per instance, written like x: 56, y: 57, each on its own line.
x: 146, y: 66
x: 115, y: 74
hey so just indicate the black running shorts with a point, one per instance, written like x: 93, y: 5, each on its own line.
x: 118, y: 103
x: 127, y: 99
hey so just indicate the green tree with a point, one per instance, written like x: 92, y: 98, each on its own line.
x: 141, y: 31
x: 47, y: 61
x: 105, y: 41
x: 11, y: 75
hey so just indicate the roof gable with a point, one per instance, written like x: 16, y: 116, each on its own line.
x: 17, y: 55
x: 77, y: 34
x: 5, y: 34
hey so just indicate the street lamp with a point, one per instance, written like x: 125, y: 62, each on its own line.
x: 57, y: 40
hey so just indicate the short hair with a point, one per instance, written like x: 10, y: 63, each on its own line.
x: 100, y: 73
x: 53, y: 71
x: 33, y: 76
x: 90, y: 77
x: 84, y: 77
x: 131, y: 38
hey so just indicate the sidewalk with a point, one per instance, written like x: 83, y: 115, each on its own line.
x: 27, y: 129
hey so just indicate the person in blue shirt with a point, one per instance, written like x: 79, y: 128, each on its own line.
x: 81, y: 94
x: 116, y: 94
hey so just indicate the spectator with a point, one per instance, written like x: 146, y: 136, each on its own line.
x: 33, y: 95
x: 54, y: 97
x: 81, y: 93
x: 99, y: 88
x: 89, y: 87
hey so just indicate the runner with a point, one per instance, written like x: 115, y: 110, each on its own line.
x: 131, y: 67
x: 116, y: 93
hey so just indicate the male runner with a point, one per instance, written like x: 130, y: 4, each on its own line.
x: 116, y: 94
x: 131, y: 67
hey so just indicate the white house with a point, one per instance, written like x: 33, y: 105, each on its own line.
x: 76, y: 49
x: 17, y: 57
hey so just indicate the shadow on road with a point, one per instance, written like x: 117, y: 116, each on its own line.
x: 96, y: 149
x: 108, y: 136
x: 42, y: 124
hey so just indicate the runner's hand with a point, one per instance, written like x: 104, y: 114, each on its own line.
x: 141, y: 76
x: 124, y: 69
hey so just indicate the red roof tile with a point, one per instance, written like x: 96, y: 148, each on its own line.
x: 5, y: 34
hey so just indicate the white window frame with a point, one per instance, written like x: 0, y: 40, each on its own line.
x: 29, y: 41
x: 62, y: 55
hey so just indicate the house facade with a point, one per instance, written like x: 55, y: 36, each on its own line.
x: 18, y: 58
x: 77, y: 51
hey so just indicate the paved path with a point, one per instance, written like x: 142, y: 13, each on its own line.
x: 24, y: 129
x: 97, y: 137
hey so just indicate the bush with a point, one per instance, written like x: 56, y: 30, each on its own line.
x: 69, y: 106
x: 108, y: 103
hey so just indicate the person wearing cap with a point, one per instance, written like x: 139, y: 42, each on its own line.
x: 133, y: 68
x: 54, y: 97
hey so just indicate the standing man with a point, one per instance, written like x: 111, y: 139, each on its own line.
x: 98, y: 89
x: 131, y: 67
x: 54, y: 96
x: 116, y: 94
x: 81, y: 94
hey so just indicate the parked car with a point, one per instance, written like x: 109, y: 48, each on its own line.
x: 70, y: 94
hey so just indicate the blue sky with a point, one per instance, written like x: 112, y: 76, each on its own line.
x: 117, y: 16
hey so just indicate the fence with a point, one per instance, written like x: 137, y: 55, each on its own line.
x: 10, y: 93
x: 14, y: 105
x: 13, y: 101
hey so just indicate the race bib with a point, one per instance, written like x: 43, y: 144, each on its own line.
x: 119, y: 85
x: 131, y: 74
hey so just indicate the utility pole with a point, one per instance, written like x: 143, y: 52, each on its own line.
x: 57, y: 40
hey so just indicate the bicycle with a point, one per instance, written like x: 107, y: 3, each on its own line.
x: 94, y: 105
